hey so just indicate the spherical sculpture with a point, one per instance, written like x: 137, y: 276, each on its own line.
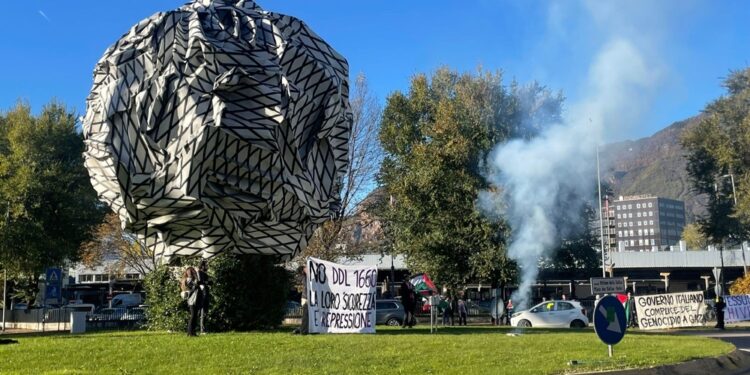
x: 219, y: 127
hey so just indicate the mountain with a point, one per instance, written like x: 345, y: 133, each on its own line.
x: 654, y: 165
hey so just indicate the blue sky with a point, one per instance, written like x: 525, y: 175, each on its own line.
x: 50, y: 47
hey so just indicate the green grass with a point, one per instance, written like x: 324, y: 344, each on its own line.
x: 472, y: 350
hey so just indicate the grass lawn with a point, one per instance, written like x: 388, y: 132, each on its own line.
x: 455, y: 350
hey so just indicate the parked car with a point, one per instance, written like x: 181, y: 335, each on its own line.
x: 389, y: 312
x: 561, y: 314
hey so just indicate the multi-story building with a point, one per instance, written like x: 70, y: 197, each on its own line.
x: 648, y: 223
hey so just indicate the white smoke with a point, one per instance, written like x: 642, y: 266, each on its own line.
x: 558, y: 167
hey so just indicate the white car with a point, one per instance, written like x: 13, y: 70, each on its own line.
x: 557, y: 314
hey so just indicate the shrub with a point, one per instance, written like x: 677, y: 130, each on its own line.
x: 167, y: 310
x: 247, y: 293
x: 740, y: 286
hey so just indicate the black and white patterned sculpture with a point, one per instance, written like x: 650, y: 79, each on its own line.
x: 219, y: 127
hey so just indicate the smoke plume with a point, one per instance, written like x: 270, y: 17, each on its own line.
x: 557, y: 168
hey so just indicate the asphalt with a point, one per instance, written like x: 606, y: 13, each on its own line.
x: 735, y: 363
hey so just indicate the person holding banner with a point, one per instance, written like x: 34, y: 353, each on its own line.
x: 719, y: 308
x: 409, y: 300
x: 304, y: 327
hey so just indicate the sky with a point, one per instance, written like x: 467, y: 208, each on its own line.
x: 49, y: 48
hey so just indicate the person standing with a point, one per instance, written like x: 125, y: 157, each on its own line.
x: 508, y: 311
x: 462, y: 312
x: 304, y: 327
x: 409, y: 300
x: 203, y: 291
x: 190, y: 291
x: 497, y: 311
x: 447, y: 305
x: 719, y: 308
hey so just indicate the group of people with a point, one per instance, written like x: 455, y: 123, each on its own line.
x: 195, y: 290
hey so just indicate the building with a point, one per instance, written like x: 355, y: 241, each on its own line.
x: 648, y: 223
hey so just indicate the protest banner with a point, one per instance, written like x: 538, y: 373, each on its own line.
x: 671, y: 310
x: 341, y: 299
x: 738, y: 308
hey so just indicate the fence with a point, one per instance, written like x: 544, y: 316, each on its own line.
x: 59, y: 319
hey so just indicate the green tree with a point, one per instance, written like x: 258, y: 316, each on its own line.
x: 694, y: 237
x: 718, y: 152
x: 436, y: 138
x: 46, y: 198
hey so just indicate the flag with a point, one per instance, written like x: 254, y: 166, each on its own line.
x: 423, y: 285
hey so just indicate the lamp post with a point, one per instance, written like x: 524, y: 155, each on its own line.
x: 601, y: 216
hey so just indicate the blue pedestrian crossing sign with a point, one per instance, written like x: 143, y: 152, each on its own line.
x: 54, y: 284
x: 609, y: 320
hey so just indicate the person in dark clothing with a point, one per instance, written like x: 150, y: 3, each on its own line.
x: 409, y: 300
x: 203, y: 291
x: 191, y: 292
x: 719, y: 309
x: 447, y: 311
x: 462, y: 312
x: 304, y: 327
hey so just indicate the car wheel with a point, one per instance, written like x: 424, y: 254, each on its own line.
x: 393, y: 322
x: 524, y: 323
x: 577, y: 324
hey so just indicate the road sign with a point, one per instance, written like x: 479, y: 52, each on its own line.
x: 607, y: 285
x: 53, y: 290
x: 609, y: 320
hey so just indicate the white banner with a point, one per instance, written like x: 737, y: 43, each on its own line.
x: 341, y: 299
x: 672, y: 310
x: 738, y: 308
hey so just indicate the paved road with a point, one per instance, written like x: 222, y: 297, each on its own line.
x: 738, y: 336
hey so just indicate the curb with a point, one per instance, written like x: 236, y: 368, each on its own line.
x: 734, y: 363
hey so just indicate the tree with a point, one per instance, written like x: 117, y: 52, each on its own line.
x: 110, y: 242
x: 46, y: 198
x: 436, y: 138
x: 718, y: 152
x: 694, y: 238
x: 335, y: 238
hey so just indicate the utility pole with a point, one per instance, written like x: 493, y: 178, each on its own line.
x: 5, y: 295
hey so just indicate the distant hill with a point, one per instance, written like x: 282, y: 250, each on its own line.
x: 654, y: 165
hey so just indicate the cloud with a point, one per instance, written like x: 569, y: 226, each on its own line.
x: 41, y: 13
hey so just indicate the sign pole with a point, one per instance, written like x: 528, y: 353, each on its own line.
x: 610, y: 351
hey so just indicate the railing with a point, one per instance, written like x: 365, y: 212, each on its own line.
x: 116, y: 319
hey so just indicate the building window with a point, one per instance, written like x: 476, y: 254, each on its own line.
x: 85, y: 278
x: 640, y: 223
x: 632, y: 242
x: 638, y: 214
x: 649, y: 204
x: 618, y: 216
x: 630, y: 207
x: 651, y: 231
x: 651, y: 213
x: 640, y: 232
x: 630, y: 223
x: 653, y: 242
x: 650, y: 222
x: 630, y: 215
x: 631, y: 233
x: 619, y: 233
x: 619, y: 225
x: 640, y: 242
x: 618, y: 207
